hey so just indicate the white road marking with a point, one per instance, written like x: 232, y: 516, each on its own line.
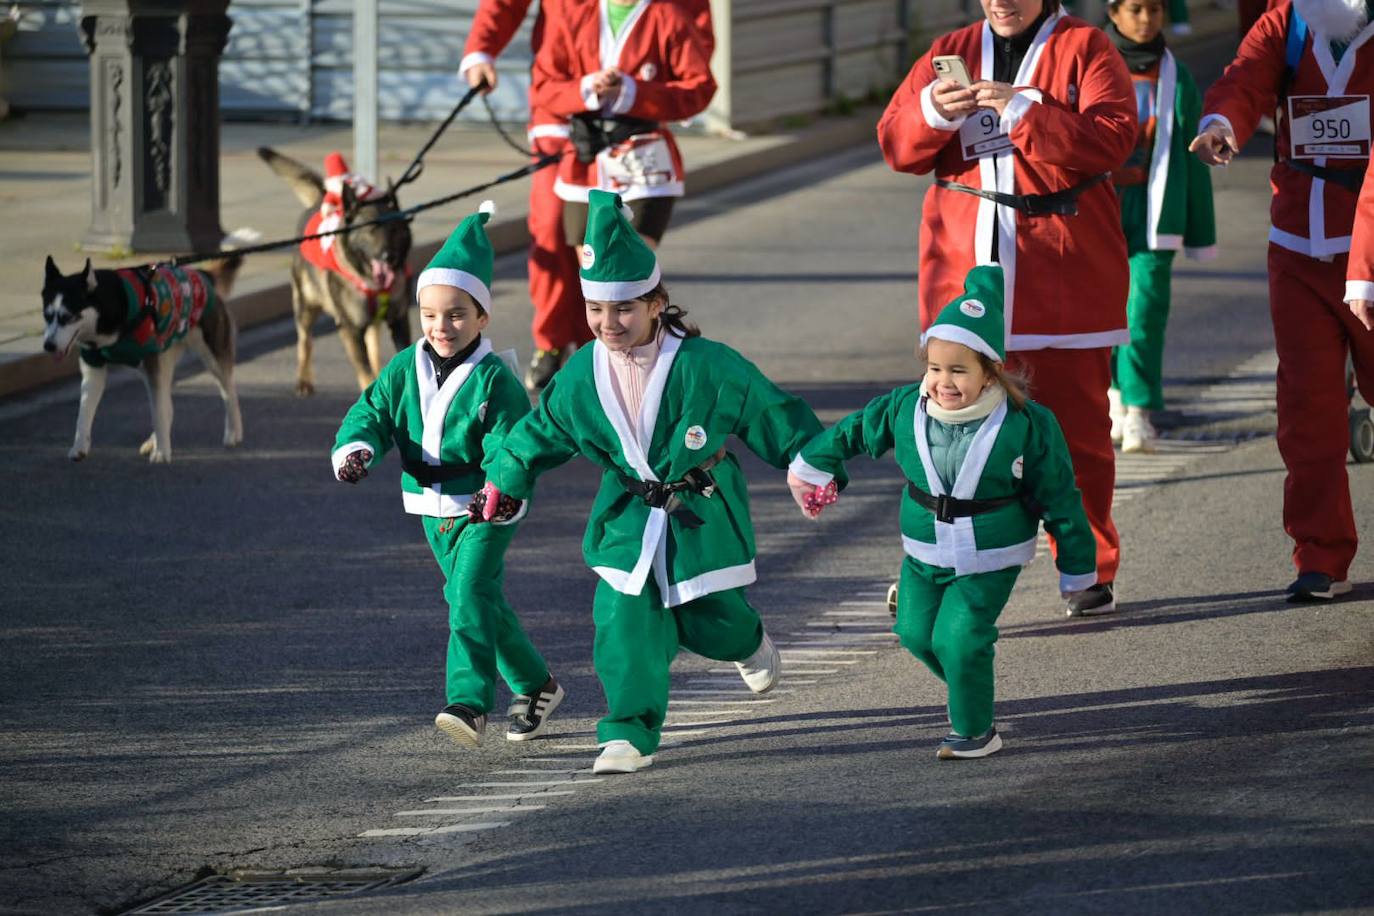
x: 507, y: 796
x: 427, y: 831
x: 720, y: 702
x: 540, y: 772
x: 480, y: 809
x: 534, y: 782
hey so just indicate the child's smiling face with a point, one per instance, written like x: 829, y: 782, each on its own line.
x: 955, y: 376
x: 450, y: 318
x: 622, y: 325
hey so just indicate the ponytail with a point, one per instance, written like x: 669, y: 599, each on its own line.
x: 672, y: 318
x: 1014, y: 383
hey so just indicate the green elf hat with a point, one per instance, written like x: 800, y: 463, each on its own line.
x: 616, y: 263
x: 974, y: 318
x: 466, y: 259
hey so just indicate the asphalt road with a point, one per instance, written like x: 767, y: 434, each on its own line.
x: 233, y: 661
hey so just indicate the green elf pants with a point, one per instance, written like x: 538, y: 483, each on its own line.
x: 1138, y: 367
x: 484, y: 633
x: 950, y: 623
x: 1178, y: 11
x: 637, y: 639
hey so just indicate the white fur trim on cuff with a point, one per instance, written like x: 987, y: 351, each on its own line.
x: 471, y: 60
x: 342, y: 452
x: 1017, y: 107
x: 956, y: 334
x: 447, y: 276
x: 1359, y: 289
x: 933, y: 117
x: 1205, y: 253
x: 619, y: 290
x: 625, y: 98
x: 1070, y: 583
x: 590, y: 100
x: 519, y: 514
x: 800, y: 469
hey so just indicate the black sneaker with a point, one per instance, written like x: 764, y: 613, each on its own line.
x: 529, y: 715
x: 1093, y: 600
x: 957, y: 747
x: 1314, y: 586
x: 462, y: 724
x: 543, y: 364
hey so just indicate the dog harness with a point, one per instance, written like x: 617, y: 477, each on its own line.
x: 161, y: 306
x: 322, y: 254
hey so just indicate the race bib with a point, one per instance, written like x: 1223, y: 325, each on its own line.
x: 981, y: 135
x: 1334, y: 126
x: 644, y: 161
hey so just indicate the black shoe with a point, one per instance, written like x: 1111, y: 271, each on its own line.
x: 462, y: 724
x: 1314, y: 586
x: 1093, y: 600
x: 543, y: 364
x: 529, y: 714
x: 957, y: 747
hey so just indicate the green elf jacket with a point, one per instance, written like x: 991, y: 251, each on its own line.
x: 1173, y: 210
x: 699, y: 393
x: 161, y: 306
x: 433, y: 425
x: 1013, y: 452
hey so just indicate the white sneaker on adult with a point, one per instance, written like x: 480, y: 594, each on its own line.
x: 621, y: 757
x: 1137, y: 432
x: 1117, y: 411
x: 760, y: 670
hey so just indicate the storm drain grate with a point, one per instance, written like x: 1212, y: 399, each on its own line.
x: 250, y: 891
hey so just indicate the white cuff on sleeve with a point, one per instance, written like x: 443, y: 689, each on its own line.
x: 344, y: 451
x: 590, y: 99
x: 1205, y: 253
x: 1359, y: 289
x: 471, y: 60
x: 812, y: 475
x: 1017, y: 107
x: 1068, y: 583
x: 1208, y: 120
x: 625, y: 99
x: 933, y: 117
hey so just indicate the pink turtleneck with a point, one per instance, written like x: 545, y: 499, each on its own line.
x: 630, y: 374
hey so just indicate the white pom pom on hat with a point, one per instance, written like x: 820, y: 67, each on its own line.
x: 488, y: 207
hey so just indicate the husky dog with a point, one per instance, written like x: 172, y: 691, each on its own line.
x: 144, y: 317
x: 366, y: 266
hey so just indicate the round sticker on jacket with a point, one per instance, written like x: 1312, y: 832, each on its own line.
x: 588, y: 257
x: 695, y: 438
x: 973, y: 308
x: 648, y: 72
x: 1018, y: 467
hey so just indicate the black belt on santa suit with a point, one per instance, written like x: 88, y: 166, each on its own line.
x: 947, y: 508
x: 427, y: 475
x: 1350, y: 179
x: 1058, y: 203
x: 661, y: 495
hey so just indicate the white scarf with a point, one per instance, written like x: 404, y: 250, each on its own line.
x: 1336, y: 20
x: 987, y: 402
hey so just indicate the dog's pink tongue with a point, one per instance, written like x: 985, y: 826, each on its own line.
x: 382, y: 275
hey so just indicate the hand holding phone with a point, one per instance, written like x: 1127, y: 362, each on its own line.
x: 952, y: 67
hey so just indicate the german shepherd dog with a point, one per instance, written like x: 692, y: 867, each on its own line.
x: 375, y: 256
x: 144, y: 319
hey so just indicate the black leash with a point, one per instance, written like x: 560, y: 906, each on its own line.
x: 406, y: 214
x: 417, y: 165
x: 491, y: 116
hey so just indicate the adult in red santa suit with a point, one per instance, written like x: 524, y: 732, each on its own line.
x: 1322, y: 147
x: 560, y: 323
x: 1022, y: 161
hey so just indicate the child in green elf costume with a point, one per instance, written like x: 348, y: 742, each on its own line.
x: 443, y: 403
x: 652, y: 402
x: 983, y: 465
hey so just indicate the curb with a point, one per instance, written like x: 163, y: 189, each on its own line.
x: 271, y: 302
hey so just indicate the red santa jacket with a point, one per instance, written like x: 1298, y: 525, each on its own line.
x: 667, y: 71
x: 1308, y: 215
x: 1066, y: 277
x: 497, y: 21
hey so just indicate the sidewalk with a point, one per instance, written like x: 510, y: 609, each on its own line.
x: 45, y: 188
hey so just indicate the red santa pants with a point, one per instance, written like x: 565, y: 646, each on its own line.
x: 1314, y: 332
x: 560, y: 314
x: 1073, y: 385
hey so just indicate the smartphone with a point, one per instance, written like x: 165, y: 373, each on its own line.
x: 952, y: 67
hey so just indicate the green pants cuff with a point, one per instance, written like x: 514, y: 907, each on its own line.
x: 644, y: 740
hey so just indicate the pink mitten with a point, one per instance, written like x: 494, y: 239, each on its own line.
x: 354, y: 467
x: 819, y: 498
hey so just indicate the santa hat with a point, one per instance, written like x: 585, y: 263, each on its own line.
x: 466, y: 260
x: 335, y: 173
x: 974, y: 318
x: 616, y: 263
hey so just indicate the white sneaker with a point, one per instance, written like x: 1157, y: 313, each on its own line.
x: 1137, y: 432
x: 1181, y: 28
x: 760, y: 670
x: 1117, y: 411
x: 621, y: 757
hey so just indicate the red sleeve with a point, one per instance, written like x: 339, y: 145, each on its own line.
x: 555, y: 84
x: 1248, y: 89
x: 910, y: 143
x: 1361, y: 267
x: 691, y: 86
x: 494, y: 25
x: 700, y: 12
x: 1101, y: 133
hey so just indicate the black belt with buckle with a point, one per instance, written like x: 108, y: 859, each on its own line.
x: 1058, y: 203
x: 947, y: 508
x: 427, y: 475
x: 661, y: 495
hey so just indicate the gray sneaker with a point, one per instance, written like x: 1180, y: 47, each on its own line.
x: 1092, y: 601
x: 957, y: 747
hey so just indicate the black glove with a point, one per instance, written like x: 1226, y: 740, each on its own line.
x: 507, y: 507
x: 354, y: 467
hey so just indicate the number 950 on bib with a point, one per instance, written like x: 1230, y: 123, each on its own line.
x: 1331, y: 126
